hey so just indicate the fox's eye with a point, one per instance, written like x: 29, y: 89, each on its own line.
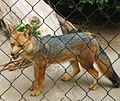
x: 19, y: 45
x: 12, y: 44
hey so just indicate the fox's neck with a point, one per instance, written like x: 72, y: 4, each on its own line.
x: 35, y: 43
x: 29, y: 55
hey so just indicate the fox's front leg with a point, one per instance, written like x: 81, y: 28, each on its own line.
x: 39, y: 74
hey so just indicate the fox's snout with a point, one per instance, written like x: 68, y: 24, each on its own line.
x: 14, y: 56
x: 15, y: 52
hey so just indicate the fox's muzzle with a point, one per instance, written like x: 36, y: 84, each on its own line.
x: 14, y: 56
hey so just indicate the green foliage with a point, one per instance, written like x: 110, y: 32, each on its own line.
x: 34, y: 29
x: 104, y: 6
x: 25, y: 27
x: 87, y: 1
x: 76, y: 2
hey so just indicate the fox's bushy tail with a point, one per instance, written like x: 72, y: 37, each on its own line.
x: 105, y: 66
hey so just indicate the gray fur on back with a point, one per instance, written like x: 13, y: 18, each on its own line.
x: 54, y: 45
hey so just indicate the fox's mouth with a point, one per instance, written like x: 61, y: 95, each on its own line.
x: 15, y: 56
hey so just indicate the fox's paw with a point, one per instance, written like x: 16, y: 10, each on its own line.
x: 32, y: 88
x: 93, y: 86
x: 35, y: 92
x: 66, y: 77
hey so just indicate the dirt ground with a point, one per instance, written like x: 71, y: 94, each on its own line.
x: 14, y: 86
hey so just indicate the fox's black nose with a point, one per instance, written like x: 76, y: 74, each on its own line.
x: 12, y: 54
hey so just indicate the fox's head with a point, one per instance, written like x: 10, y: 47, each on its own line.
x: 21, y: 42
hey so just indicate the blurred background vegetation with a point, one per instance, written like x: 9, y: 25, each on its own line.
x: 90, y: 11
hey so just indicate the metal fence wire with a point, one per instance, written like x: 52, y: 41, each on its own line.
x: 15, y: 85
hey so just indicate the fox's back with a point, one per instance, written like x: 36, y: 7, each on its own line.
x: 65, y: 44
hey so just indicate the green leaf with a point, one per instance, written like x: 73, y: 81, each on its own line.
x: 27, y: 26
x: 33, y: 27
x: 36, y: 34
x: 16, y: 26
x: 21, y: 29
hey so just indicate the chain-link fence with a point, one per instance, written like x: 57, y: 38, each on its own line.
x: 74, y: 47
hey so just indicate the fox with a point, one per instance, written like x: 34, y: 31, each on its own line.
x: 75, y: 48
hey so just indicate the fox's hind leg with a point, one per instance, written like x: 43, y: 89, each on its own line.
x: 75, y: 71
x: 89, y: 67
x: 95, y: 74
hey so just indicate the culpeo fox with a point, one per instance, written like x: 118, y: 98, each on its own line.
x: 74, y: 47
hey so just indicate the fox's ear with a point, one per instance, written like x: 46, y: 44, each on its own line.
x: 2, y: 23
x: 28, y: 33
x: 11, y: 29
